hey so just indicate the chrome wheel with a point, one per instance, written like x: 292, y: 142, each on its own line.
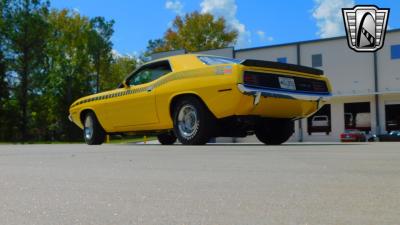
x: 88, y: 128
x: 188, y: 122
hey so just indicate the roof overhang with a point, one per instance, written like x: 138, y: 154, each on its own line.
x: 366, y: 94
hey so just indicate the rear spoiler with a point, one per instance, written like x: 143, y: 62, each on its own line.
x: 281, y: 66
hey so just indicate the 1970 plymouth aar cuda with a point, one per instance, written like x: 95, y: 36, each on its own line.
x: 197, y: 97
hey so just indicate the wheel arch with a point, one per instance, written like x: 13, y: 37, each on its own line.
x: 175, y: 99
x: 83, y: 113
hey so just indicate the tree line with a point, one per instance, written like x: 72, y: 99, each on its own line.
x: 51, y: 57
x: 48, y: 59
x: 195, y: 32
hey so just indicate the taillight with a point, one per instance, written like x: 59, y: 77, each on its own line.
x: 250, y: 79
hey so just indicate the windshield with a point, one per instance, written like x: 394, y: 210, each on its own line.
x: 214, y: 60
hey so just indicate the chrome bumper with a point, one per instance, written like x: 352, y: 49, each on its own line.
x: 265, y: 92
x: 70, y: 118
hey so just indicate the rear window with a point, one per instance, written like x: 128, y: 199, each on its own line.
x: 212, y: 60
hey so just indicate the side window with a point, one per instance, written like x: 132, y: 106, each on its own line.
x: 149, y: 73
x: 142, y: 77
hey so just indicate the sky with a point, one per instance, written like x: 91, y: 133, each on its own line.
x: 259, y: 23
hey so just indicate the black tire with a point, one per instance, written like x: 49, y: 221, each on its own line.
x: 166, y: 138
x: 203, y: 125
x: 274, y: 131
x: 97, y: 135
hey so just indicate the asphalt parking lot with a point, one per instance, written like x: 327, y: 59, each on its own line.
x: 215, y: 184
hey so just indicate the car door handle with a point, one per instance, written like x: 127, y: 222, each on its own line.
x: 149, y: 89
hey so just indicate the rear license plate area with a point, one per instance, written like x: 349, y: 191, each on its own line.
x: 287, y: 83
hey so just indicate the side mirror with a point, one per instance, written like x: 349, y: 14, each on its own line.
x: 123, y: 84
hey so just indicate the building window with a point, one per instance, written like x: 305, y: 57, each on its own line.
x: 357, y: 116
x: 395, y: 51
x: 392, y: 117
x: 282, y: 60
x: 316, y: 60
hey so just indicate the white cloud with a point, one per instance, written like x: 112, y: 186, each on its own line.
x: 228, y: 9
x: 116, y: 54
x: 263, y: 37
x: 261, y: 34
x: 328, y: 14
x: 176, y: 6
x: 76, y: 10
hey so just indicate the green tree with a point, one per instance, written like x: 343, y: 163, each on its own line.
x: 28, y: 37
x: 121, y: 67
x: 9, y: 109
x: 48, y: 59
x: 3, y: 50
x: 195, y: 32
x: 155, y: 45
x: 79, y: 52
x: 69, y: 71
x: 4, y: 89
x: 100, y: 47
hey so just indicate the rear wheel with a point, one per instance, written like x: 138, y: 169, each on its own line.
x: 93, y: 133
x: 166, y: 138
x: 274, y: 131
x: 192, y: 121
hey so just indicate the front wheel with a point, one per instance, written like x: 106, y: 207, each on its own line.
x: 192, y: 121
x: 93, y: 133
x: 274, y: 131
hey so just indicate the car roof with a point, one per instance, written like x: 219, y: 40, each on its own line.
x: 191, y: 61
x: 189, y: 55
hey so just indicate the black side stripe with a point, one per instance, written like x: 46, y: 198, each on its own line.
x: 223, y: 90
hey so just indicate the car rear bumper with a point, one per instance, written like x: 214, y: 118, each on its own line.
x: 293, y: 95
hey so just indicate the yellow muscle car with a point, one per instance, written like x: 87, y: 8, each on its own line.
x: 193, y: 98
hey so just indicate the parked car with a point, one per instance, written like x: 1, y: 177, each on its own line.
x: 371, y: 137
x: 197, y: 97
x: 353, y: 136
x: 319, y: 123
x: 391, y: 136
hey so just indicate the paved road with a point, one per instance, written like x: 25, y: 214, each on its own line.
x: 224, y: 184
